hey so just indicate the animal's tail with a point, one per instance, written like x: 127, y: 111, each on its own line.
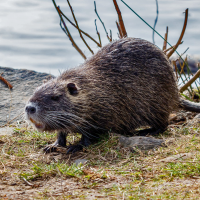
x: 190, y: 106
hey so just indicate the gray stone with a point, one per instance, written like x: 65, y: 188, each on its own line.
x: 174, y: 158
x: 24, y: 82
x: 78, y: 161
x: 197, y: 117
x: 141, y: 142
x: 6, y: 131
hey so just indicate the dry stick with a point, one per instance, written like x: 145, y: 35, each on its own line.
x: 98, y: 33
x: 178, y: 73
x: 182, y: 71
x: 119, y: 29
x: 181, y: 36
x: 165, y: 51
x: 67, y: 31
x: 184, y: 52
x: 196, y: 75
x: 95, y: 9
x: 69, y: 35
x: 86, y: 34
x: 165, y: 41
x: 121, y: 23
x: 6, y: 82
x: 111, y: 35
x: 79, y: 28
x: 27, y: 183
x: 183, y: 65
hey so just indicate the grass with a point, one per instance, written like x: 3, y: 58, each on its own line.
x: 111, y: 172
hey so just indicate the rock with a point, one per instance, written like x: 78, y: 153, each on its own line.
x: 12, y: 101
x: 174, y: 158
x: 194, y: 121
x: 141, y: 142
x: 78, y: 161
x: 197, y: 117
x: 6, y: 131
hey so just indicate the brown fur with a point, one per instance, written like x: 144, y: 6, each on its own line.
x: 127, y: 84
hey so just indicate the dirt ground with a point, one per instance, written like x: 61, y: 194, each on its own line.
x: 110, y: 171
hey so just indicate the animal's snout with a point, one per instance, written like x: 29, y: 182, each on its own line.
x: 30, y: 109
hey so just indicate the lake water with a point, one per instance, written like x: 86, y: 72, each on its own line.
x: 31, y: 38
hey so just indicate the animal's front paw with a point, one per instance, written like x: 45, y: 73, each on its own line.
x: 51, y: 148
x: 74, y: 148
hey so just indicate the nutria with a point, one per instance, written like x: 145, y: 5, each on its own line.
x: 126, y: 85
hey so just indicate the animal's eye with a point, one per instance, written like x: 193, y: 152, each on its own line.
x: 55, y: 98
x: 72, y: 88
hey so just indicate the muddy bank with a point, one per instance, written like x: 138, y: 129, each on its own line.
x: 12, y: 101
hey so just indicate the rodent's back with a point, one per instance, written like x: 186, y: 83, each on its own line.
x: 128, y: 83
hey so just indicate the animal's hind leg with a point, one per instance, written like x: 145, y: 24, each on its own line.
x: 61, y: 141
x: 153, y: 131
x: 149, y: 131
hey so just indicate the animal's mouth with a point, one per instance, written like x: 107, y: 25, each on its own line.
x: 38, y: 125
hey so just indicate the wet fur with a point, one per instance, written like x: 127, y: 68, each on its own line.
x: 126, y: 85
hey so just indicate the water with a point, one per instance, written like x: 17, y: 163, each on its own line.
x: 31, y: 38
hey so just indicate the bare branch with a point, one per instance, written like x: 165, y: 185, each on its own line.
x: 6, y: 82
x: 98, y: 33
x: 165, y: 41
x: 165, y: 51
x: 121, y: 23
x: 196, y: 75
x: 95, y: 9
x: 119, y: 29
x: 79, y: 28
x: 86, y: 34
x: 65, y: 29
x: 181, y: 36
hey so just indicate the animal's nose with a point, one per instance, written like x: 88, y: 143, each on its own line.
x: 30, y: 109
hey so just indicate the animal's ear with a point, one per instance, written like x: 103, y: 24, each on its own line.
x: 72, y: 88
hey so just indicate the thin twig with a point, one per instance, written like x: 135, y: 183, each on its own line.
x: 184, y: 51
x: 166, y: 50
x: 100, y: 45
x: 165, y: 41
x: 27, y: 183
x: 66, y: 30
x: 86, y: 34
x: 187, y: 78
x: 6, y: 82
x: 196, y: 75
x: 119, y: 29
x: 182, y: 65
x: 95, y: 9
x: 121, y: 23
x: 181, y: 36
x: 79, y: 28
x: 157, y: 12
x: 111, y: 35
